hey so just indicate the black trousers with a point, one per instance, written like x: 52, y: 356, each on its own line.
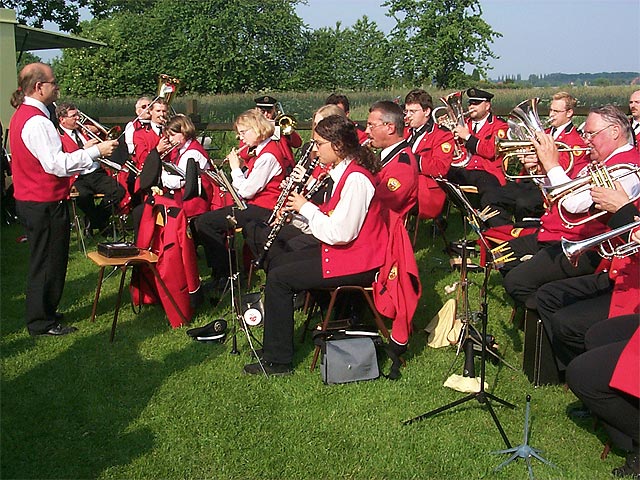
x: 288, y: 274
x: 588, y: 376
x: 514, y: 201
x: 212, y: 229
x: 484, y: 181
x: 46, y: 226
x: 546, y: 265
x: 568, y: 308
x: 98, y: 182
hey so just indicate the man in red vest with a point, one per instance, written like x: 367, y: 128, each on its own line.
x: 41, y: 172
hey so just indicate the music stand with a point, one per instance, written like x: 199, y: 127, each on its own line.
x: 483, y: 397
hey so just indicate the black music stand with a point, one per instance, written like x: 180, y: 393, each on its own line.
x: 482, y: 396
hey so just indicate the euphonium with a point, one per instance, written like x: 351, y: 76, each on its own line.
x: 167, y: 88
x: 602, y: 242
x: 596, y: 176
x: 453, y: 117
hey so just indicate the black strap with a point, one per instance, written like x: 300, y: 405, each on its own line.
x: 403, y: 144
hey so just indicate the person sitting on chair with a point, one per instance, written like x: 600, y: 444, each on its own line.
x: 351, y: 234
x: 95, y: 180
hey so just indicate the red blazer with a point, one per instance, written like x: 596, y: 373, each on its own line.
x: 626, y: 376
x: 625, y: 273
x: 367, y: 251
x: 482, y: 147
x: 398, y: 182
x: 145, y: 140
x: 397, y: 289
x: 435, y: 153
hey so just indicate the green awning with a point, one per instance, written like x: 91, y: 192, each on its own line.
x: 29, y: 38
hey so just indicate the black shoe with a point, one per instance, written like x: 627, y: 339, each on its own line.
x: 271, y: 369
x: 394, y: 351
x: 57, y: 330
x: 58, y: 316
x: 631, y: 467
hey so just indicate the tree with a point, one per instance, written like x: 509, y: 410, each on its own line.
x: 64, y: 13
x: 212, y: 46
x: 436, y: 39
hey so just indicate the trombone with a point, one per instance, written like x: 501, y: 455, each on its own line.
x: 573, y: 249
x: 596, y: 176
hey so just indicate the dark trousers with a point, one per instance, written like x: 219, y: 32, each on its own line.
x: 588, y: 376
x: 484, y: 181
x: 288, y: 274
x: 547, y: 265
x: 46, y: 226
x: 98, y: 182
x: 212, y: 229
x: 514, y: 201
x: 568, y: 308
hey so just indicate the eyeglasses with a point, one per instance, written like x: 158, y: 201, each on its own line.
x: 75, y: 115
x: 52, y: 82
x: 589, y: 135
x: 371, y: 126
x: 412, y: 112
x: 553, y: 110
x: 243, y: 132
x: 318, y: 143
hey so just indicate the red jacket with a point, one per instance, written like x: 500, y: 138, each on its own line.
x: 367, y: 251
x: 398, y: 181
x: 625, y: 273
x: 145, y: 140
x: 482, y: 147
x: 626, y: 376
x: 164, y: 229
x: 30, y: 182
x: 435, y: 154
x: 397, y: 288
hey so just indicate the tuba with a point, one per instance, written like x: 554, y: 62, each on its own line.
x: 452, y: 117
x: 602, y: 242
x: 167, y: 88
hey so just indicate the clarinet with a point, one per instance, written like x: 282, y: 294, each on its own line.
x: 286, y: 191
x: 286, y: 217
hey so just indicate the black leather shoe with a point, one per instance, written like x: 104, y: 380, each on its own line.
x: 58, y: 330
x: 271, y: 369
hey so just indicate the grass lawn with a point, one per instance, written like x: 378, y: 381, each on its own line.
x: 155, y: 404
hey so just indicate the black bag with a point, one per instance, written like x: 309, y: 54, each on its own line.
x: 118, y: 250
x: 348, y: 358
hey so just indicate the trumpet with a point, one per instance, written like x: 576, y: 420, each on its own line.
x: 602, y: 242
x: 287, y: 124
x: 453, y: 116
x: 596, y: 176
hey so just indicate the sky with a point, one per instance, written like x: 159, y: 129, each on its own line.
x: 539, y: 36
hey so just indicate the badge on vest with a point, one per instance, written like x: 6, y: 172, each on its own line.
x: 502, y: 133
x: 393, y: 273
x: 446, y: 147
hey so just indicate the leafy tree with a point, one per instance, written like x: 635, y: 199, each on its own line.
x: 64, y: 13
x: 212, y: 46
x: 436, y: 39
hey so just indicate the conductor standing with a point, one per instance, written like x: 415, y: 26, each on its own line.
x: 40, y: 178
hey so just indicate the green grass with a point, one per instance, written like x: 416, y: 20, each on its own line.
x: 155, y: 404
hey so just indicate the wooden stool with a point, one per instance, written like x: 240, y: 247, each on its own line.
x: 366, y: 293
x: 144, y: 257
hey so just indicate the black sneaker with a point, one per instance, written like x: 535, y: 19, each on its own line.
x: 631, y: 467
x: 271, y: 369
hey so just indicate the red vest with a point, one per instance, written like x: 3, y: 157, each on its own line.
x: 398, y: 187
x: 551, y: 227
x: 30, y: 182
x: 197, y: 205
x: 483, y: 156
x: 268, y: 196
x: 367, y: 251
x: 145, y: 140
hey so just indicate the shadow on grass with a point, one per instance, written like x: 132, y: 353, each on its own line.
x: 74, y: 415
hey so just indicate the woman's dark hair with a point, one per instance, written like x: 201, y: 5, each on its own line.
x: 341, y: 132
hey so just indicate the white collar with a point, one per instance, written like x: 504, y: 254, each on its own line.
x: 38, y: 104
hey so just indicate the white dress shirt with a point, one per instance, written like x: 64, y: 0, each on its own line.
x: 266, y: 167
x: 172, y: 181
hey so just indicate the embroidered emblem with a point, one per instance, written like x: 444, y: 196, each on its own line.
x: 446, y: 147
x: 393, y: 184
x: 393, y: 273
x: 502, y: 133
x: 576, y: 151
